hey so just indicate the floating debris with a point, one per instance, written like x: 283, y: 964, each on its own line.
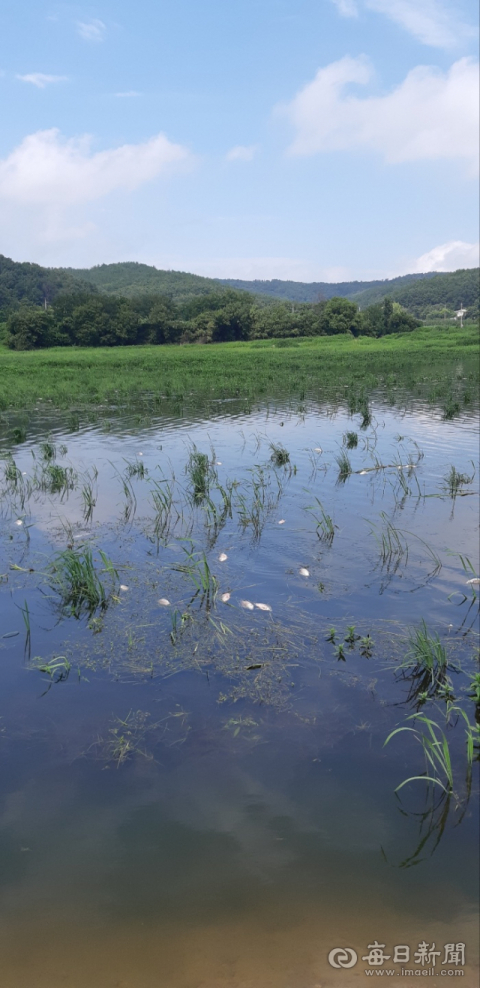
x: 247, y: 605
x: 263, y: 607
x: 303, y: 571
x: 164, y: 602
x: 360, y: 472
x: 19, y: 522
x: 218, y: 463
x: 224, y: 597
x: 474, y: 581
x: 282, y: 521
x: 123, y: 587
x: 140, y: 454
x: 318, y: 449
x: 222, y: 557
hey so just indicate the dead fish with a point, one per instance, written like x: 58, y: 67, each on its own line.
x: 282, y: 521
x: 19, y: 522
x: 318, y: 449
x: 362, y: 471
x: 164, y: 602
x: 225, y: 597
x: 263, y: 607
x: 258, y: 665
x: 474, y: 581
x: 222, y: 557
x: 123, y: 587
x: 303, y: 571
x: 218, y: 463
x: 247, y: 605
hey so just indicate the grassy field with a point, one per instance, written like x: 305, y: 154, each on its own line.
x: 441, y: 363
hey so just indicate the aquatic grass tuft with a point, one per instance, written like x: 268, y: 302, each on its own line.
x: 344, y: 466
x: 350, y: 440
x: 279, y: 455
x: 325, y: 525
x: 199, y: 470
x: 78, y: 582
x: 454, y: 481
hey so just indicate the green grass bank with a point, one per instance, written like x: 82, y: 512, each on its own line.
x: 441, y: 363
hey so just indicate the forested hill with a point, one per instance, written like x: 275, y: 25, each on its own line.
x: 415, y: 291
x: 450, y: 290
x: 131, y: 278
x: 430, y: 296
x: 314, y: 291
x: 32, y: 284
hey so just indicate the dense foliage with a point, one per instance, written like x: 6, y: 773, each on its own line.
x: 131, y: 278
x: 427, y: 296
x: 87, y: 320
x: 30, y: 283
x: 444, y: 293
x: 314, y: 291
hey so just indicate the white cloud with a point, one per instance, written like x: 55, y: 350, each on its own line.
x: 430, y: 115
x: 48, y: 169
x: 91, y: 30
x: 41, y: 80
x: 432, y: 22
x: 242, y: 153
x: 346, y: 8
x: 128, y: 95
x: 449, y: 257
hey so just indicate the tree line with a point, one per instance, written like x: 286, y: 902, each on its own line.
x: 90, y: 320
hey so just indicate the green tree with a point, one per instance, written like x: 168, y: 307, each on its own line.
x: 30, y: 327
x: 341, y: 316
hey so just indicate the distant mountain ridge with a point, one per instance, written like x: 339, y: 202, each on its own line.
x: 314, y: 291
x: 26, y: 283
x: 414, y: 291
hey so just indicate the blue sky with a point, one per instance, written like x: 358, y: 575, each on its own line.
x: 322, y: 140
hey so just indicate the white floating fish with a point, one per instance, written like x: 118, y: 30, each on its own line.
x: 19, y: 522
x: 222, y: 557
x: 362, y: 471
x: 263, y: 607
x: 164, y: 602
x: 218, y: 463
x: 24, y: 473
x: 303, y: 571
x: 225, y: 597
x: 123, y: 587
x: 474, y: 581
x: 247, y: 605
x: 318, y: 449
x: 282, y: 521
x: 140, y: 454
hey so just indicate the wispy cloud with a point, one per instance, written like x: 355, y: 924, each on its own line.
x: 437, y: 23
x: 91, y: 30
x: 449, y: 257
x: 430, y: 115
x: 130, y: 94
x: 346, y: 8
x: 242, y: 153
x: 41, y: 80
x: 433, y: 22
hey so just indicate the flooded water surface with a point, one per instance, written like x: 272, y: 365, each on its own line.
x: 210, y: 625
